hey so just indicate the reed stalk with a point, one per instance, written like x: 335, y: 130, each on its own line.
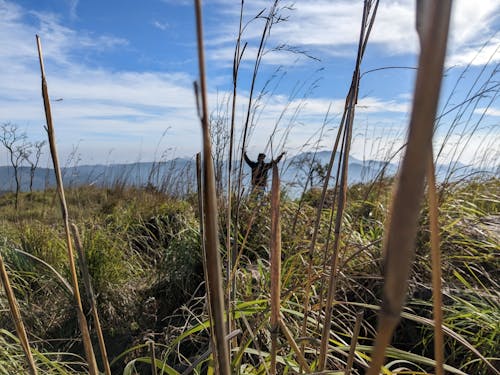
x: 275, y: 266
x: 17, y: 319
x: 354, y: 342
x: 211, y: 234
x: 403, y: 221
x: 437, y: 298
x: 298, y: 353
x: 260, y: 52
x: 91, y: 297
x: 312, y: 245
x: 231, y: 253
x: 432, y: 196
x: 351, y: 101
x: 199, y: 181
x: 87, y: 344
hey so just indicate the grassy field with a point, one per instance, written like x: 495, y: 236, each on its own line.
x: 144, y: 257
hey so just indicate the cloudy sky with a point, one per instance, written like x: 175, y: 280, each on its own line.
x: 120, y: 75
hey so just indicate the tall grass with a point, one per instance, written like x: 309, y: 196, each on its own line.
x: 89, y: 352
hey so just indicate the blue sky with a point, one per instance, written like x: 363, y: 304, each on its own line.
x: 124, y: 71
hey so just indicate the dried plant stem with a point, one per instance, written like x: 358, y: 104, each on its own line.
x: 300, y: 357
x: 312, y: 246
x: 214, y: 271
x: 354, y: 341
x: 91, y: 297
x: 351, y: 102
x: 230, y: 252
x: 87, y: 344
x: 16, y: 317
x: 275, y: 266
x: 402, y: 227
x: 199, y: 180
x: 437, y: 298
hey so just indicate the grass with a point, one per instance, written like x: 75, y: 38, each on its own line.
x: 149, y: 247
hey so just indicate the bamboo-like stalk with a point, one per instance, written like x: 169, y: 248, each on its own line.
x: 437, y: 298
x: 354, y: 341
x: 199, y: 181
x: 432, y: 196
x: 402, y: 227
x: 82, y: 259
x: 87, y: 344
x: 351, y: 104
x: 214, y: 271
x: 17, y: 319
x: 275, y: 266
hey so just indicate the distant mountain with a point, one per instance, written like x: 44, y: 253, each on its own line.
x: 177, y: 176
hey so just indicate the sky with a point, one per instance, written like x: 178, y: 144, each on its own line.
x: 120, y: 75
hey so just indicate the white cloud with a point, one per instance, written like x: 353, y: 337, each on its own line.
x: 323, y: 27
x: 488, y: 111
x: 161, y: 25
x: 128, y: 111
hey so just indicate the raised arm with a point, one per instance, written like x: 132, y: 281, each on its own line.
x: 248, y: 161
x: 279, y: 158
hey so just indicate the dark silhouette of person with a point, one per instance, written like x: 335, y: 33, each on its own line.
x: 260, y: 169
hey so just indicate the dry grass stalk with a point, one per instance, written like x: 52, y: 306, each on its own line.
x: 403, y: 222
x: 16, y: 317
x: 199, y: 181
x: 437, y: 298
x: 312, y: 245
x: 214, y: 272
x: 82, y: 259
x: 354, y: 341
x: 231, y: 253
x: 300, y: 357
x: 89, y: 352
x: 275, y: 265
x: 351, y: 102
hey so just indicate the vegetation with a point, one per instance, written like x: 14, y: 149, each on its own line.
x: 145, y: 262
x: 256, y: 283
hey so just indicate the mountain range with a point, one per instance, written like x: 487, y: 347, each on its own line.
x: 177, y: 176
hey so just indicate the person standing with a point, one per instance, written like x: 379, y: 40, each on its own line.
x: 260, y: 170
